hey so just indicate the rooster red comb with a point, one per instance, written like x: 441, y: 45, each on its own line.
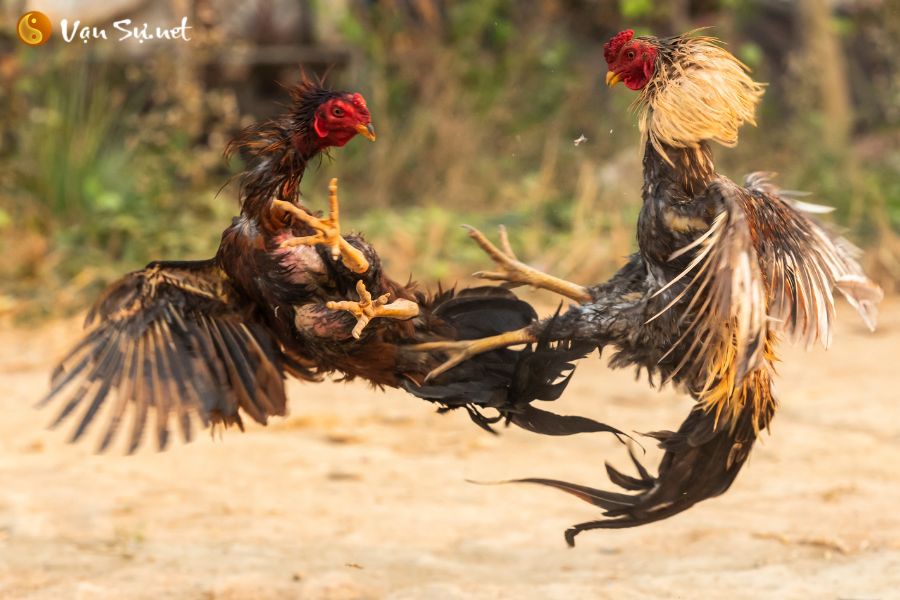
x: 612, y: 47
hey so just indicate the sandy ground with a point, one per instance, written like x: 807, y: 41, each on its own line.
x: 363, y: 494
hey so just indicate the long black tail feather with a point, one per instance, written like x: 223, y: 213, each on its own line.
x: 701, y: 461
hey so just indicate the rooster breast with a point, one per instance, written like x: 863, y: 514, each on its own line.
x: 303, y: 265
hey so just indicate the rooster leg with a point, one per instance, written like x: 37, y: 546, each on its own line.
x: 460, y: 351
x: 518, y: 273
x: 328, y: 231
x: 367, y: 309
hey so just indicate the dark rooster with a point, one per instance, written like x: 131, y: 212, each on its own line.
x: 723, y: 271
x: 286, y: 293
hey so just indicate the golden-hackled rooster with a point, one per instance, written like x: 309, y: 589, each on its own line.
x: 723, y: 271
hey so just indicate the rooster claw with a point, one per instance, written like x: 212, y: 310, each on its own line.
x: 516, y: 273
x: 367, y: 309
x: 327, y: 231
x: 459, y: 351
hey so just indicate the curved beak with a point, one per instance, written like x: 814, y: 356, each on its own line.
x: 612, y: 78
x: 367, y: 131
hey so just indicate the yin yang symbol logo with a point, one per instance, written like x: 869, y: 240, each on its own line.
x: 34, y: 28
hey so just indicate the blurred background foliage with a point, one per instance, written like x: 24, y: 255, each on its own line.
x: 111, y: 153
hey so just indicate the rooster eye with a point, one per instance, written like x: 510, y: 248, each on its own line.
x: 630, y: 55
x: 337, y: 111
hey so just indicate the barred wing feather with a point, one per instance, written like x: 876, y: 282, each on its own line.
x: 173, y: 341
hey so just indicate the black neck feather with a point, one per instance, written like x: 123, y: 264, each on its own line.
x: 278, y: 151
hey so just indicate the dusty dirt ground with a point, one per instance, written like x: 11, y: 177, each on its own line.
x: 363, y: 494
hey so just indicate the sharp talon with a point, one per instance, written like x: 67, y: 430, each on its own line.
x: 504, y: 242
x: 443, y: 368
x: 491, y: 276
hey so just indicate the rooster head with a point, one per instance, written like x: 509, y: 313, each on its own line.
x: 278, y: 150
x: 321, y: 118
x: 317, y: 119
x: 691, y: 89
x: 630, y: 60
x: 340, y: 118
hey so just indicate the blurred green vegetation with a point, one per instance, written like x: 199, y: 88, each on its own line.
x: 104, y: 171
x: 106, y: 164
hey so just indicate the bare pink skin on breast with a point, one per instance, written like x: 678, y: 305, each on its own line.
x: 321, y: 322
x: 307, y: 265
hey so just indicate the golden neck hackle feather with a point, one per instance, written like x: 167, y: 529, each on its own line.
x: 700, y: 92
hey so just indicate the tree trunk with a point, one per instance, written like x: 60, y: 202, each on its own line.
x: 827, y: 71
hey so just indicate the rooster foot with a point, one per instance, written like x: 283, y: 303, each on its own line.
x: 367, y: 309
x: 327, y: 231
x: 517, y: 273
x: 463, y: 350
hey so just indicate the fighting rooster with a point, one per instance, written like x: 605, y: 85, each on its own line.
x: 723, y: 271
x: 286, y: 293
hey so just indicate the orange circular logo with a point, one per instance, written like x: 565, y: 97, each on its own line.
x: 34, y: 28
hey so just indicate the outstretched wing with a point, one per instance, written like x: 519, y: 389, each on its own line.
x: 762, y: 267
x: 804, y: 262
x: 171, y: 337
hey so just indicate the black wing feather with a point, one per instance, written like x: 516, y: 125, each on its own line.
x: 174, y: 338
